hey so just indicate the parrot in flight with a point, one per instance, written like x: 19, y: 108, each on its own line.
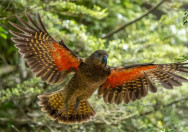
x: 52, y: 61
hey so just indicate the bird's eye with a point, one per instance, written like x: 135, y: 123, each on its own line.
x: 98, y: 54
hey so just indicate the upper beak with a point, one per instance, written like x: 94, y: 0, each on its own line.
x: 105, y: 60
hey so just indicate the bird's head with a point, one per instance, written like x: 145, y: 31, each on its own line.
x: 98, y: 58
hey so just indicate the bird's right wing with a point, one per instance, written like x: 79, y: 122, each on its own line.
x: 47, y: 58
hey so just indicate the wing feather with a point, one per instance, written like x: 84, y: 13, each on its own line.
x: 130, y: 83
x: 47, y: 58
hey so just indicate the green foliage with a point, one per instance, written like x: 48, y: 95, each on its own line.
x: 27, y: 89
x: 3, y: 33
x: 185, y: 18
x: 70, y: 8
x: 161, y: 36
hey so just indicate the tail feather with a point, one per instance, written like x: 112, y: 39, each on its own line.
x: 53, y: 105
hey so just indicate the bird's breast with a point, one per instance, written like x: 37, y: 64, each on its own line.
x: 86, y: 81
x: 93, y: 75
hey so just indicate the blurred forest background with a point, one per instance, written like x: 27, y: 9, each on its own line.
x: 131, y: 31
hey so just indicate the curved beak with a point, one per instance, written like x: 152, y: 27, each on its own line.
x: 105, y: 60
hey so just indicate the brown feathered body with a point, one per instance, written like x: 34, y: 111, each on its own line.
x: 90, y: 76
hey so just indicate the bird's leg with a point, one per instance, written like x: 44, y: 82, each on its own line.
x: 66, y: 108
x: 76, y: 105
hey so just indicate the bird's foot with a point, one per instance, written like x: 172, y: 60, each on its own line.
x: 65, y: 108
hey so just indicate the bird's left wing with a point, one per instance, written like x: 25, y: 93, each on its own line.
x: 47, y: 58
x: 130, y: 83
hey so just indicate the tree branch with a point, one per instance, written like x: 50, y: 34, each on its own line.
x: 165, y: 106
x: 150, y: 112
x: 133, y: 21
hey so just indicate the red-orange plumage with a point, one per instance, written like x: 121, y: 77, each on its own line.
x: 63, y: 58
x: 47, y: 58
x: 120, y: 75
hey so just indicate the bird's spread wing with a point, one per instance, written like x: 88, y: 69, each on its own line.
x: 130, y: 83
x: 47, y: 58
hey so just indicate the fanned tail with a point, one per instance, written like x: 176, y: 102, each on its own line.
x: 53, y: 105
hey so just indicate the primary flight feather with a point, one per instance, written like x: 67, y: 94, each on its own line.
x: 52, y: 61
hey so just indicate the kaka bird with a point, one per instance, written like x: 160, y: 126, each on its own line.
x: 52, y: 61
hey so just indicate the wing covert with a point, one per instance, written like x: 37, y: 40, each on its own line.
x: 47, y: 58
x: 130, y: 83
